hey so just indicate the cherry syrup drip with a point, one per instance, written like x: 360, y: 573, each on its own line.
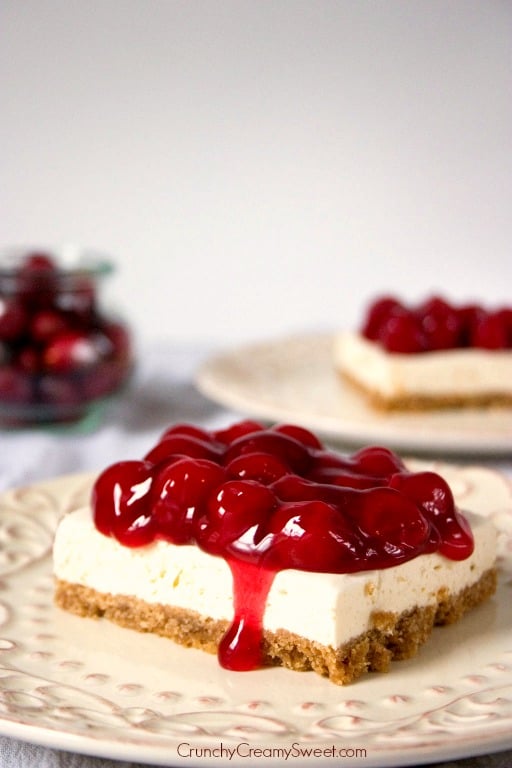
x: 240, y: 648
x: 436, y: 325
x: 269, y: 499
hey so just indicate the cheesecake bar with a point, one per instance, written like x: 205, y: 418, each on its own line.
x: 262, y: 546
x: 431, y: 356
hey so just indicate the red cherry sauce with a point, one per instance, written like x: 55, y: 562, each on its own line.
x: 436, y: 324
x: 269, y: 499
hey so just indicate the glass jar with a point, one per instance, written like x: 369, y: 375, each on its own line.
x: 61, y: 355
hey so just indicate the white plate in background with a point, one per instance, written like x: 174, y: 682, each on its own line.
x: 293, y: 379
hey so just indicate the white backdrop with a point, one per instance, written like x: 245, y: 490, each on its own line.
x: 260, y: 167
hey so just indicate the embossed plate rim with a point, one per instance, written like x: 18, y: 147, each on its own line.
x: 53, y: 694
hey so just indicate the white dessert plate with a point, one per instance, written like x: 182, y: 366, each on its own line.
x: 91, y: 687
x: 293, y: 379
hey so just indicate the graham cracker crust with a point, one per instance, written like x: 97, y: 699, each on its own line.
x: 405, y: 402
x: 392, y: 636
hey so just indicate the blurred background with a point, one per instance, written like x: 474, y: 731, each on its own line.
x: 261, y: 167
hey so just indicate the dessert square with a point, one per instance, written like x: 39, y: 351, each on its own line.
x: 431, y: 356
x: 264, y: 547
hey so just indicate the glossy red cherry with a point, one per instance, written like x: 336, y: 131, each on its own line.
x: 38, y: 261
x: 71, y: 350
x: 377, y: 461
x: 38, y: 279
x: 187, y: 429
x: 311, y: 536
x: 300, y: 434
x: 180, y: 491
x: 13, y: 319
x: 456, y: 537
x: 47, y: 323
x: 232, y: 433
x: 237, y: 508
x: 120, y: 503
x: 291, y: 452
x: 441, y: 324
x: 402, y: 333
x: 434, y: 497
x: 377, y: 315
x: 491, y: 332
x: 263, y: 467
x: 180, y: 443
x: 427, y: 489
x: 392, y: 522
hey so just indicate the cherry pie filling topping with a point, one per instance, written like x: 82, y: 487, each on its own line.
x: 436, y: 325
x: 269, y: 499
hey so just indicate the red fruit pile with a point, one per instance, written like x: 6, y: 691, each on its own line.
x: 272, y: 499
x: 58, y: 351
x: 276, y: 497
x: 436, y: 324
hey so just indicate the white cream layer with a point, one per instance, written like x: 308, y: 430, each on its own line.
x: 328, y: 608
x: 465, y: 372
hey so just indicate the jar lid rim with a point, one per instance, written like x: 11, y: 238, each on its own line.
x: 69, y: 260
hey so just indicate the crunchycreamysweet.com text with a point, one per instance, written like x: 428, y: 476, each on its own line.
x: 247, y: 751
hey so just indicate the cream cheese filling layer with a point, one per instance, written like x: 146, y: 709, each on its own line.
x: 464, y: 372
x: 330, y: 609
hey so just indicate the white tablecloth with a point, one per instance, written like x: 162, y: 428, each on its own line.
x: 161, y: 393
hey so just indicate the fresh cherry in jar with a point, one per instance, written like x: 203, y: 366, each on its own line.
x: 63, y: 353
